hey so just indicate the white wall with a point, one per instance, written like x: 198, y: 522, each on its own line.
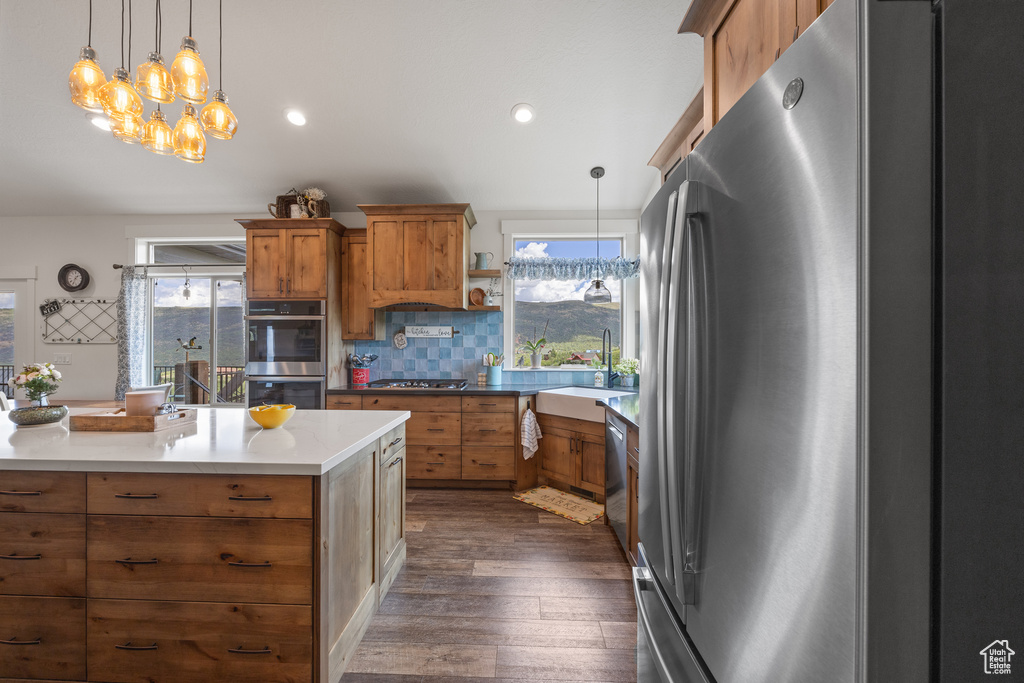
x: 97, y: 242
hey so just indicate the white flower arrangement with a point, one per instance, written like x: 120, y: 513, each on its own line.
x: 627, y: 366
x: 38, y: 380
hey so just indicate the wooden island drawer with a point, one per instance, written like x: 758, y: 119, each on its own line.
x: 488, y: 404
x: 434, y: 429
x: 420, y: 404
x: 392, y: 442
x: 201, y: 495
x: 42, y: 638
x: 185, y: 558
x: 433, y: 462
x: 32, y: 491
x: 344, y: 402
x: 42, y: 554
x: 137, y: 641
x: 489, y: 429
x: 482, y: 462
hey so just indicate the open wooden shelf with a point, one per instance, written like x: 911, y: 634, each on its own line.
x: 474, y: 307
x: 485, y: 273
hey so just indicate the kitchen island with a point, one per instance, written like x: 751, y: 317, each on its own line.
x: 212, y: 551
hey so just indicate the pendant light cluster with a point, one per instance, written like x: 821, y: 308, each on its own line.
x: 121, y: 100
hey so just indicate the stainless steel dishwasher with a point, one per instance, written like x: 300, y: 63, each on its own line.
x: 616, y: 497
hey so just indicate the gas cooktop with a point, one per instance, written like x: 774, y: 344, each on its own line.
x: 455, y: 384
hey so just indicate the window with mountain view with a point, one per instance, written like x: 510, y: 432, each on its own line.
x: 554, y: 309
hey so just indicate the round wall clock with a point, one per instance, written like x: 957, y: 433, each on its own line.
x: 73, y: 278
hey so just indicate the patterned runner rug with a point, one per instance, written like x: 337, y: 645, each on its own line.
x: 568, y: 505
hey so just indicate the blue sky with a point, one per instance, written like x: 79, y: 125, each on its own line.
x: 561, y: 290
x: 575, y: 248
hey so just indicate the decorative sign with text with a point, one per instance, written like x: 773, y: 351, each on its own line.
x: 440, y: 332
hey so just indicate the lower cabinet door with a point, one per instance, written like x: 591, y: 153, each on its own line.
x: 392, y: 505
x: 138, y: 641
x: 42, y: 638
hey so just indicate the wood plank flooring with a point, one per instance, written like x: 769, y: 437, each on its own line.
x: 496, y: 590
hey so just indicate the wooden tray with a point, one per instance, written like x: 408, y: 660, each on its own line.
x: 119, y: 422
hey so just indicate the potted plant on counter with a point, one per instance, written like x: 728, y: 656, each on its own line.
x: 37, y: 381
x: 534, y: 346
x: 627, y: 369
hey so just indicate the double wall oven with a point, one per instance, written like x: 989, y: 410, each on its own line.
x: 286, y: 353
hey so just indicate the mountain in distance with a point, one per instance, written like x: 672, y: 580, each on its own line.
x: 7, y: 336
x: 567, y: 320
x: 172, y: 322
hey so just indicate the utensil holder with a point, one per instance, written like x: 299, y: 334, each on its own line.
x: 360, y: 376
x: 494, y: 375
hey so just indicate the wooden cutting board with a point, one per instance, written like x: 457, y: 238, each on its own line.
x: 119, y: 422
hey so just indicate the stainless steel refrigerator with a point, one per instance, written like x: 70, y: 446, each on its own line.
x: 832, y: 288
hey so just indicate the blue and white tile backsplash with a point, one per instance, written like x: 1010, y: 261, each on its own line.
x: 460, y: 356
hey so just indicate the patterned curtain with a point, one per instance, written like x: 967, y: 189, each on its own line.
x: 528, y: 268
x: 131, y: 330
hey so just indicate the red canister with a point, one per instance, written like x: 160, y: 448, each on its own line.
x: 360, y: 375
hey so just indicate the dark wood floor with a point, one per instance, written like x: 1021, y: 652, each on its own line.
x: 496, y: 590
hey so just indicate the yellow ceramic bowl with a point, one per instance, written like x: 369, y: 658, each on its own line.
x: 273, y: 416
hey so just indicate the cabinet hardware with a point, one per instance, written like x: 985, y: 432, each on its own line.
x: 489, y: 404
x: 15, y: 556
x: 288, y: 286
x: 259, y: 499
x: 392, y: 444
x: 15, y: 641
x: 129, y: 646
x: 129, y: 560
x: 636, y: 449
x: 487, y: 464
x: 429, y: 429
x: 435, y: 463
x: 242, y: 651
x: 260, y: 565
x: 21, y: 493
x: 280, y: 285
x: 796, y: 32
x: 137, y: 496
x: 488, y: 430
x: 395, y: 462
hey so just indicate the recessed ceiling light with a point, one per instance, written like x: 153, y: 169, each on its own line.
x: 522, y: 113
x: 295, y: 116
x: 100, y: 121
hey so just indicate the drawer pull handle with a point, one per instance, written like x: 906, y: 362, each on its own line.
x: 137, y: 496
x: 637, y: 449
x: 488, y: 430
x: 129, y: 560
x: 21, y: 493
x: 394, y: 442
x: 16, y: 556
x: 487, y: 464
x: 431, y: 429
x: 395, y: 462
x: 15, y: 641
x: 242, y: 651
x: 129, y: 646
x: 435, y: 463
x: 489, y: 404
x: 258, y: 499
x: 260, y: 565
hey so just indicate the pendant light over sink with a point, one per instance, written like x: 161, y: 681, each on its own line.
x: 597, y: 293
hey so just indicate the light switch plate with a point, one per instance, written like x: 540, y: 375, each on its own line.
x: 62, y: 359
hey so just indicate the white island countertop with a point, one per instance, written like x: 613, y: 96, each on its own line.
x: 221, y: 441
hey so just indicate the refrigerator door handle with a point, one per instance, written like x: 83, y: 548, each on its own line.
x: 666, y: 647
x: 665, y: 417
x: 642, y: 581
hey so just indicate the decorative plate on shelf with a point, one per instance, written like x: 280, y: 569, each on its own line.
x: 476, y: 296
x: 400, y: 340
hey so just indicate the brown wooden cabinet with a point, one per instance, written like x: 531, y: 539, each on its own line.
x: 418, y: 253
x: 392, y: 509
x: 358, y: 319
x: 291, y: 258
x: 572, y: 453
x: 632, y: 493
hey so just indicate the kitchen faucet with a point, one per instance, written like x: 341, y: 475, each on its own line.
x: 606, y: 356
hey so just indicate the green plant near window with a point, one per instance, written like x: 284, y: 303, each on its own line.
x: 534, y: 346
x: 628, y: 366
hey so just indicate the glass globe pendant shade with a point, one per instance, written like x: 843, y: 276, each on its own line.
x: 217, y: 118
x: 190, y: 81
x: 86, y: 80
x: 119, y: 98
x: 189, y: 141
x: 597, y: 293
x: 127, y: 129
x: 157, y: 136
x: 153, y: 80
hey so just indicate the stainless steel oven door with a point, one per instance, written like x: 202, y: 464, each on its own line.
x: 282, y: 345
x: 305, y: 393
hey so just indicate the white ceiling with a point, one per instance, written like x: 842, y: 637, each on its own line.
x: 408, y: 101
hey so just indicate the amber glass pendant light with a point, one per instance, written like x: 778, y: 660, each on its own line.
x: 190, y: 81
x: 217, y: 118
x: 157, y: 136
x: 127, y: 129
x: 597, y: 293
x: 87, y: 77
x: 118, y: 97
x: 152, y: 79
x: 189, y: 141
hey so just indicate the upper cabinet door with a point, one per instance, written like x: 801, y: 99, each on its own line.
x: 305, y: 263
x: 264, y: 256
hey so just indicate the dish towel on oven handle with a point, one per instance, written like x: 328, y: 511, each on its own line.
x: 529, y: 433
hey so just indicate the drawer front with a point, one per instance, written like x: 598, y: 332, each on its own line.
x: 344, y: 402
x: 32, y: 491
x: 489, y: 429
x: 392, y: 442
x: 137, y: 641
x: 434, y: 429
x: 488, y: 404
x: 201, y: 495
x: 182, y: 558
x: 433, y: 462
x: 42, y: 554
x: 421, y: 404
x: 481, y: 462
x: 42, y: 637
